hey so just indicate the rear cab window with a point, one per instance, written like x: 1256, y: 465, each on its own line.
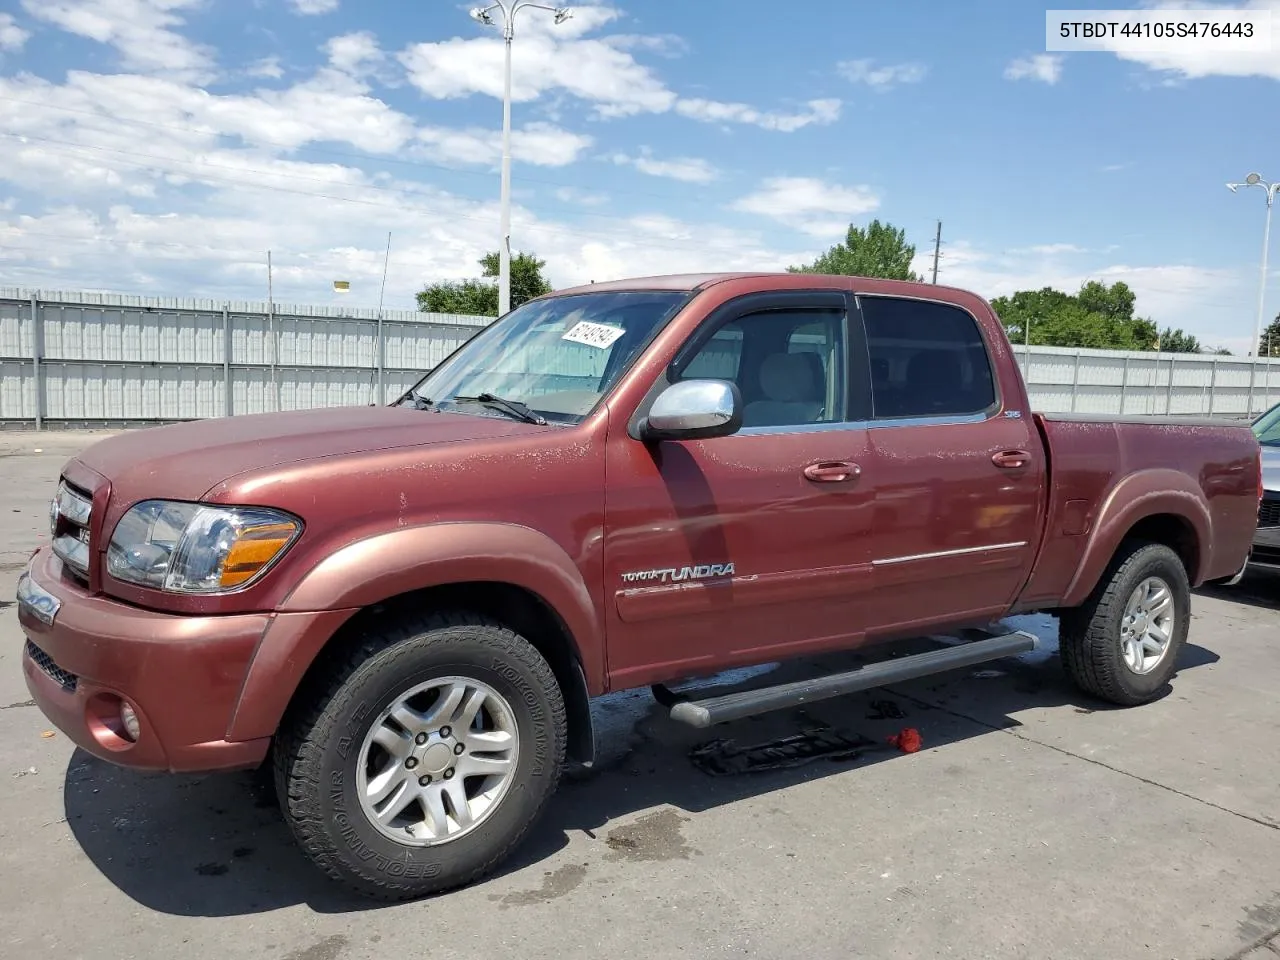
x: 927, y: 360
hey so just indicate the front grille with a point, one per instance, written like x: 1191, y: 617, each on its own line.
x: 1269, y: 513
x: 70, y: 515
x: 45, y: 662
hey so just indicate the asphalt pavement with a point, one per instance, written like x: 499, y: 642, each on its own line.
x: 1034, y: 823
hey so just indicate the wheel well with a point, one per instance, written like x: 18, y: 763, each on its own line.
x: 1174, y: 532
x: 528, y: 615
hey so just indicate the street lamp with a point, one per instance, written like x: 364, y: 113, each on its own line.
x: 484, y: 15
x: 1254, y: 180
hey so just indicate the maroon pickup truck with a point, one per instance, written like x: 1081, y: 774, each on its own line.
x: 406, y: 609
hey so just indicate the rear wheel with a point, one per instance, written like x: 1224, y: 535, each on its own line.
x: 1123, y: 643
x: 424, y: 757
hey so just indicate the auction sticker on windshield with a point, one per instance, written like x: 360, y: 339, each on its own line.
x: 598, y: 335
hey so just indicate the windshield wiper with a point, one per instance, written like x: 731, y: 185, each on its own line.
x: 420, y: 402
x: 513, y: 408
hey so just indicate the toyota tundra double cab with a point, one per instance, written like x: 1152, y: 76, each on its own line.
x: 406, y: 609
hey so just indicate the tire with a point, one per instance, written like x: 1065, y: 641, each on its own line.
x: 1092, y: 638
x: 324, y: 753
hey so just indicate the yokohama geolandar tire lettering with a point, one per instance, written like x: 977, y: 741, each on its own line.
x: 320, y: 748
x: 1092, y: 637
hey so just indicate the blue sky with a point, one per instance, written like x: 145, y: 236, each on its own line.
x: 162, y: 146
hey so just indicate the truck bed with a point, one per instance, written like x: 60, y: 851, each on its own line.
x: 1108, y: 472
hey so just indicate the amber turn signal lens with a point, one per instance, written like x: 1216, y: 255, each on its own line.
x: 255, y: 547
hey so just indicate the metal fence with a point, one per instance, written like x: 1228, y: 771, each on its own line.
x: 82, y: 359
x: 77, y: 359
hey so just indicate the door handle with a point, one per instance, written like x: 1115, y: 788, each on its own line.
x: 1011, y: 459
x: 832, y: 471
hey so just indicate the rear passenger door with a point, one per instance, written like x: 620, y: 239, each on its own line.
x: 957, y: 473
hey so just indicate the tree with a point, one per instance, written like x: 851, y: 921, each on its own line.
x: 1098, y: 316
x: 1270, y: 345
x: 1178, y: 341
x: 478, y: 298
x: 880, y: 250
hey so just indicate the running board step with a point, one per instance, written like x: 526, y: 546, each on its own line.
x: 748, y: 703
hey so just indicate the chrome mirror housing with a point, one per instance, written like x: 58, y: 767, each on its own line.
x: 695, y: 410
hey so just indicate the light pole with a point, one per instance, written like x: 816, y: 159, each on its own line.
x: 1253, y: 180
x: 484, y: 15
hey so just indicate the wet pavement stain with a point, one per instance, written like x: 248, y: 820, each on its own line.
x: 212, y: 869
x: 1262, y: 920
x: 555, y: 884
x: 655, y: 836
x: 330, y: 948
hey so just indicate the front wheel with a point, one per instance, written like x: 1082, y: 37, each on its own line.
x: 1122, y: 644
x: 424, y: 758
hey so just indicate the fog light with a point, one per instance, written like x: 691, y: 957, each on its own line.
x: 130, y: 721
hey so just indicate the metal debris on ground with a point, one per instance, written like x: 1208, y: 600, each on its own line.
x: 720, y: 758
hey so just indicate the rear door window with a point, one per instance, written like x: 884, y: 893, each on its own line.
x: 928, y: 359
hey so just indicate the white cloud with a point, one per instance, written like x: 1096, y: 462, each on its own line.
x: 354, y: 52
x: 12, y: 36
x: 685, y: 169
x: 1053, y: 249
x: 141, y: 30
x: 313, y: 8
x: 542, y: 144
x: 580, y: 197
x: 268, y: 68
x: 810, y: 205
x: 881, y: 78
x: 1044, y: 67
x: 551, y: 59
x: 190, y: 124
x: 546, y: 59
x: 1193, y: 61
x: 820, y: 112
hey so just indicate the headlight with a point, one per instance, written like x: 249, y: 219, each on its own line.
x: 197, y: 548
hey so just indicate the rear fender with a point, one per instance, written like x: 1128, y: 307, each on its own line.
x: 1140, y: 495
x: 370, y: 571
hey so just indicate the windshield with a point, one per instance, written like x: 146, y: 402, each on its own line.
x: 1267, y: 427
x: 558, y: 356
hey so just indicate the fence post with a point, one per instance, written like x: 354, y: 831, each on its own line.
x: 1124, y: 384
x: 37, y: 347
x: 1213, y: 384
x: 381, y: 349
x: 226, y: 360
x: 1168, y: 396
x: 1075, y: 382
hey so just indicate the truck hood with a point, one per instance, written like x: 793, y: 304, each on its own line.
x: 184, y: 461
x: 1271, y: 468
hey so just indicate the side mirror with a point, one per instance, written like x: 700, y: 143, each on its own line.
x: 695, y: 410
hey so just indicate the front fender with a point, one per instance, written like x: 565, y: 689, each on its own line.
x: 387, y: 565
x: 1140, y: 495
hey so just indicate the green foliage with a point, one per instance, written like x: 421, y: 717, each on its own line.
x: 880, y: 250
x: 479, y: 298
x: 1178, y: 341
x: 1270, y: 345
x: 1098, y: 316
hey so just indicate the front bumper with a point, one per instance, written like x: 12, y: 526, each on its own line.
x: 86, y: 655
x: 1266, y: 540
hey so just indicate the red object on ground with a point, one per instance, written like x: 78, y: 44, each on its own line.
x: 908, y: 741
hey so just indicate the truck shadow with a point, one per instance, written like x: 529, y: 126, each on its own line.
x: 1259, y: 588
x: 216, y: 846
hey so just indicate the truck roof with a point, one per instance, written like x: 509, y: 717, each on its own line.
x: 691, y: 282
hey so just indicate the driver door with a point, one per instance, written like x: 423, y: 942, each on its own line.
x: 746, y: 547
